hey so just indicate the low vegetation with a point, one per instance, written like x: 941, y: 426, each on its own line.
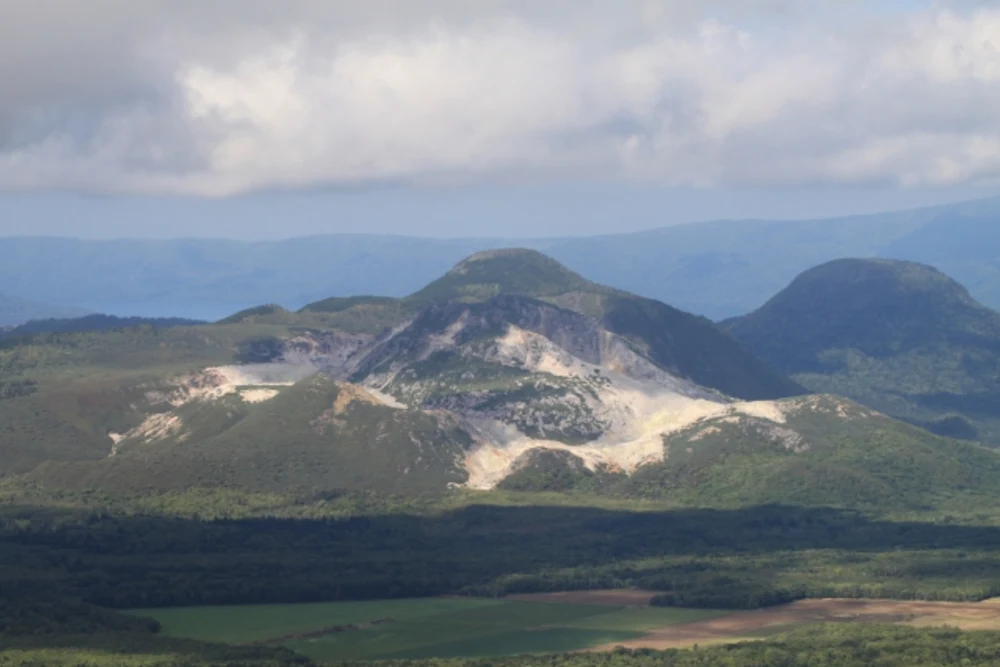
x: 311, y: 491
x: 96, y: 323
x: 901, y: 337
x: 430, y: 627
x: 825, y: 646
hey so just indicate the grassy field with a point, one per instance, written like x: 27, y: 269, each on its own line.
x: 432, y: 627
x: 542, y: 623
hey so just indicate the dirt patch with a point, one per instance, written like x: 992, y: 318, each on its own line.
x: 349, y: 393
x: 159, y: 426
x: 745, y: 625
x: 257, y: 395
x: 619, y: 598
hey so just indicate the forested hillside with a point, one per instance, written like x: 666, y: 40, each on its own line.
x: 901, y: 337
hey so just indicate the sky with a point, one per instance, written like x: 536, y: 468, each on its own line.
x: 266, y: 119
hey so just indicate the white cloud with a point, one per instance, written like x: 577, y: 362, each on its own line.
x: 220, y: 98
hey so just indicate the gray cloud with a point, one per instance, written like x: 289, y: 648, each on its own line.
x: 230, y: 96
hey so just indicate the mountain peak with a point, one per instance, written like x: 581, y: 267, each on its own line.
x: 877, y: 277
x: 503, y: 271
x: 901, y: 337
x: 505, y: 254
x: 880, y: 307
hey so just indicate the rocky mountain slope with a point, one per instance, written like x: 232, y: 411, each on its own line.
x: 685, y: 344
x: 509, y: 372
x: 899, y: 336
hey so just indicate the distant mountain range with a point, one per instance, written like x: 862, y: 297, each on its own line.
x: 511, y: 371
x: 717, y: 269
x: 95, y: 322
x: 15, y: 311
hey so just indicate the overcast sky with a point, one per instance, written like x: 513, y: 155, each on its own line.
x: 254, y: 118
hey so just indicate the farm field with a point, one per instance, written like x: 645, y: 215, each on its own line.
x: 538, y: 623
x: 431, y: 627
x: 761, y: 623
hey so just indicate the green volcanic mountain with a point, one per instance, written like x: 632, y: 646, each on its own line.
x: 686, y: 344
x: 506, y: 271
x: 509, y: 372
x: 899, y: 336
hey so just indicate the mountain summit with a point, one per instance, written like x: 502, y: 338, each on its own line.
x: 687, y: 345
x: 897, y: 335
x: 505, y: 271
x: 877, y: 306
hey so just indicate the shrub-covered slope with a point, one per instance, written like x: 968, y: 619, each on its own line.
x: 901, y: 337
x: 510, y: 371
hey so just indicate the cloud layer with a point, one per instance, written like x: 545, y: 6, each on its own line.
x: 221, y: 98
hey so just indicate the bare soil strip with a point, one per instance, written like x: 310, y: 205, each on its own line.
x: 741, y: 626
x: 618, y: 598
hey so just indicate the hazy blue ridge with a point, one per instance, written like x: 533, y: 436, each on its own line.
x: 717, y: 269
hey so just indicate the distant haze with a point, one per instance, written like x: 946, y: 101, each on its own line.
x: 717, y: 269
x: 511, y: 212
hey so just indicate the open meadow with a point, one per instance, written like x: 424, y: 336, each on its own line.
x: 430, y: 627
x: 535, y: 623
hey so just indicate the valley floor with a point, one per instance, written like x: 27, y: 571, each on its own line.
x: 65, y: 569
x: 431, y: 627
x: 602, y: 620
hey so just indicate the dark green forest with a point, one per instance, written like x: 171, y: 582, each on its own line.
x: 900, y: 337
x: 64, y: 570
x: 69, y: 562
x: 735, y: 518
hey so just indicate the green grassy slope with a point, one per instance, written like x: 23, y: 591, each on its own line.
x: 829, y: 452
x: 508, y: 271
x: 297, y: 443
x: 242, y: 624
x: 133, y: 350
x: 67, y: 392
x: 62, y: 393
x: 301, y: 440
x: 901, y: 337
x: 441, y: 627
x: 359, y: 315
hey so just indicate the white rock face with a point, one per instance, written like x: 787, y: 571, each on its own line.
x: 636, y: 403
x: 622, y: 404
x: 642, y: 416
x: 245, y: 380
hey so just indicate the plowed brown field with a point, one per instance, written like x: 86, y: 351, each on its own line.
x: 747, y: 625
